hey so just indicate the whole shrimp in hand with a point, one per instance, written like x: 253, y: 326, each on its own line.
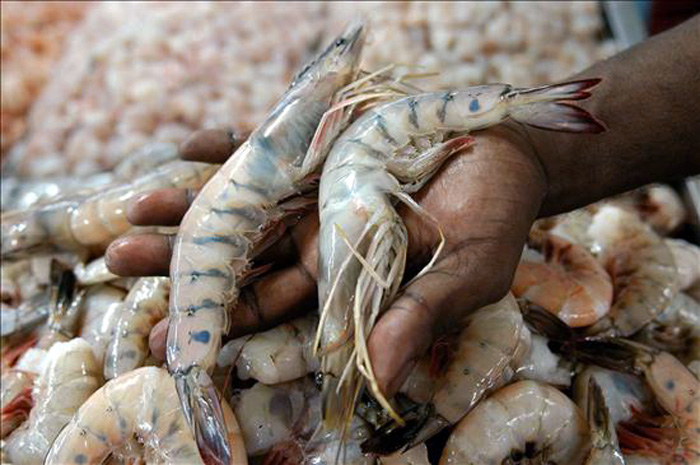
x: 234, y: 216
x: 386, y: 154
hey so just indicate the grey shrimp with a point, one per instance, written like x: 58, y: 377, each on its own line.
x: 90, y: 222
x: 387, y: 153
x: 227, y: 223
x: 144, y: 306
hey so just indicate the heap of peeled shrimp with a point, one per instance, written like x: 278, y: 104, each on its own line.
x: 593, y: 358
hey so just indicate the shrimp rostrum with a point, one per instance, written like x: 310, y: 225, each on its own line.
x: 389, y: 152
x: 238, y: 212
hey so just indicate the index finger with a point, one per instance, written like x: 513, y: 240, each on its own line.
x: 211, y: 145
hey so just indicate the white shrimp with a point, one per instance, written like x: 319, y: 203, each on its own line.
x: 144, y: 306
x: 101, y: 309
x: 93, y: 221
x: 641, y: 266
x: 487, y: 352
x: 280, y: 354
x: 236, y: 214
x: 69, y: 378
x: 387, y: 153
x: 526, y: 421
x: 140, y: 404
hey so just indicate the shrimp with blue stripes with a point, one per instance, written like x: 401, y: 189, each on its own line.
x: 388, y: 152
x: 236, y: 214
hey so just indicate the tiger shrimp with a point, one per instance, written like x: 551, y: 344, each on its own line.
x: 389, y: 152
x: 569, y: 282
x: 278, y: 355
x: 489, y: 349
x: 101, y: 308
x: 526, y: 422
x: 674, y: 386
x: 91, y: 222
x: 143, y: 404
x: 641, y: 266
x: 69, y: 378
x: 144, y: 306
x: 237, y: 213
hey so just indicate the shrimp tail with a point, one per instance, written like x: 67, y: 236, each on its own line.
x: 597, y: 411
x: 550, y: 107
x: 611, y: 353
x: 204, y: 414
x: 544, y: 322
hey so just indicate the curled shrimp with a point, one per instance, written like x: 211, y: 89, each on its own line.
x: 523, y: 422
x: 657, y: 204
x: 641, y: 266
x: 387, y: 153
x: 101, y: 308
x: 687, y: 258
x: 492, y: 345
x: 142, y: 403
x: 569, y: 282
x: 90, y: 222
x: 144, y: 306
x: 70, y: 376
x: 278, y: 355
x: 236, y: 214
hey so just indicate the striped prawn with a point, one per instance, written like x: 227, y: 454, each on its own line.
x: 386, y: 154
x: 236, y: 213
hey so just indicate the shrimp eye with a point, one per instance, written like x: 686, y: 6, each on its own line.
x: 340, y: 42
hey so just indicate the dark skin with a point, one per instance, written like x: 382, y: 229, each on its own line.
x: 485, y: 198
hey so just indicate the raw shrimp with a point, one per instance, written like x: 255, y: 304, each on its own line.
x: 102, y: 307
x: 69, y: 378
x: 417, y: 455
x: 282, y: 415
x: 281, y: 354
x: 605, y: 449
x: 145, y: 305
x: 93, y: 221
x: 569, y: 282
x: 526, y: 421
x: 687, y: 258
x: 657, y: 204
x: 140, y: 404
x: 64, y: 310
x: 15, y: 399
x: 26, y: 315
x: 391, y: 151
x: 641, y: 266
x: 492, y: 345
x: 228, y: 221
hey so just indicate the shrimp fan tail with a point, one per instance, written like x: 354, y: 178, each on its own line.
x: 550, y: 107
x: 202, y: 409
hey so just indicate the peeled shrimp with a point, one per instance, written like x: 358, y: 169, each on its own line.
x: 569, y: 282
x: 92, y: 221
x: 101, y: 309
x: 69, y: 378
x: 228, y: 221
x: 525, y: 421
x: 492, y: 345
x: 281, y: 354
x: 144, y: 306
x: 387, y: 153
x: 143, y: 404
x: 641, y: 266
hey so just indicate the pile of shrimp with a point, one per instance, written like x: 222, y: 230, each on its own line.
x: 592, y: 357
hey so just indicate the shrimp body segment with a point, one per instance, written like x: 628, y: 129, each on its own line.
x: 525, y: 420
x: 141, y: 404
x: 145, y: 305
x: 69, y: 378
x: 387, y: 153
x: 569, y: 283
x: 76, y: 224
x: 228, y: 220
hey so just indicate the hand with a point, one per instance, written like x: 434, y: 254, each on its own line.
x: 485, y: 199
